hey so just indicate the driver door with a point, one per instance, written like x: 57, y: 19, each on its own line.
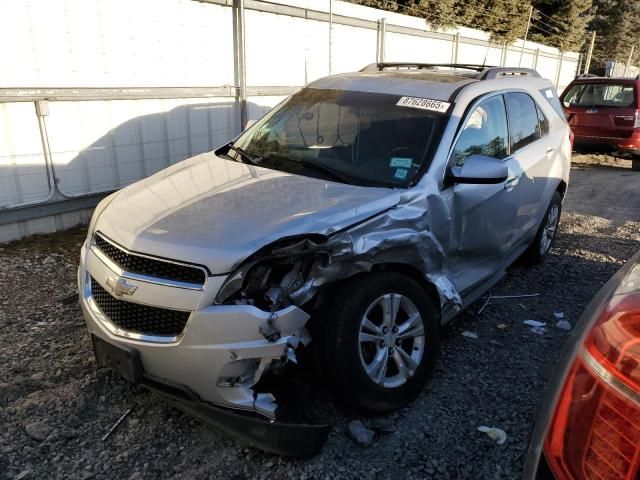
x: 483, y: 217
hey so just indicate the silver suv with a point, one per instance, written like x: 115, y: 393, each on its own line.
x: 342, y: 230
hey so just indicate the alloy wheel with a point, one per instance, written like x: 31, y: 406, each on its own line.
x: 391, y: 340
x: 550, y: 228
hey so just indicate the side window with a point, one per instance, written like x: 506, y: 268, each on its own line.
x: 543, y: 123
x: 485, y: 132
x: 523, y: 120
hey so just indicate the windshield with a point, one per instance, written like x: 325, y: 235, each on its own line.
x: 351, y: 137
x: 600, y: 95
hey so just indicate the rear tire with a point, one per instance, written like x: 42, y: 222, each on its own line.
x: 635, y: 163
x: 538, y: 250
x: 376, y: 360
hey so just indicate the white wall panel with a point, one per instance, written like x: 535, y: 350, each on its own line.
x: 528, y: 57
x: 282, y: 50
x: 353, y: 48
x: 258, y: 106
x: 63, y: 43
x: 401, y: 48
x: 103, y: 145
x: 23, y: 176
x: 479, y: 54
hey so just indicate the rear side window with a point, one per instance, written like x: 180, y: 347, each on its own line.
x: 543, y: 123
x: 524, y: 122
x: 600, y: 95
x: 551, y: 96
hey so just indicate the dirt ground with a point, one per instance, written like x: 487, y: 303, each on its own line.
x: 55, y: 406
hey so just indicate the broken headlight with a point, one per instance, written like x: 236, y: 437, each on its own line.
x: 271, y: 278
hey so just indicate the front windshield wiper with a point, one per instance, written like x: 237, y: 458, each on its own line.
x: 252, y: 159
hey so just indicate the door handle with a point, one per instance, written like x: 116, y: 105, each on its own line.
x: 512, y: 182
x: 549, y: 150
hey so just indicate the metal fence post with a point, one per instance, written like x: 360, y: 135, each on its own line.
x: 330, y: 35
x: 503, y: 58
x: 535, y: 59
x: 455, y: 47
x: 380, y: 46
x: 240, y: 60
x: 579, y: 65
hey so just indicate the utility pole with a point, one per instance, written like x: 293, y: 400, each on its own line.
x: 587, y: 64
x: 626, y: 67
x: 526, y: 34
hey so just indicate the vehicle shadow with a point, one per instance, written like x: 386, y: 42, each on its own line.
x: 130, y: 151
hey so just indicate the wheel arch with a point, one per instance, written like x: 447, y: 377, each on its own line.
x: 562, y: 188
x: 413, y: 273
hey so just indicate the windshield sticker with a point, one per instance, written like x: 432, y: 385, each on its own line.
x: 401, y: 173
x: 549, y: 93
x: 424, y: 104
x: 402, y: 162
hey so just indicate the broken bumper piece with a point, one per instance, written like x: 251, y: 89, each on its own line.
x: 287, y: 439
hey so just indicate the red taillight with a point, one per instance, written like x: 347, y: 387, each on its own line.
x: 595, y: 430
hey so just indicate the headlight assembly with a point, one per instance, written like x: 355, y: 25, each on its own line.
x: 268, y: 278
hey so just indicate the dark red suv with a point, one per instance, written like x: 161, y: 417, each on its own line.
x: 605, y: 111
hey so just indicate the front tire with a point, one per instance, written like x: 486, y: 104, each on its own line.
x: 538, y: 250
x: 635, y: 163
x: 381, y: 341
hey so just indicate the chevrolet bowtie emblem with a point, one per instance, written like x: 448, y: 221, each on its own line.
x: 119, y: 286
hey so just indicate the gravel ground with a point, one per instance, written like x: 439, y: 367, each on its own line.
x: 55, y: 406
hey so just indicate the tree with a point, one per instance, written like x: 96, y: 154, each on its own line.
x: 561, y: 23
x: 440, y: 13
x: 506, y: 20
x: 617, y: 27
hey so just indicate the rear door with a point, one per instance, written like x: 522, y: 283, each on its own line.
x: 533, y: 150
x: 601, y: 109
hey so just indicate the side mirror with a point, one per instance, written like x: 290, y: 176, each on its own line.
x: 480, y: 169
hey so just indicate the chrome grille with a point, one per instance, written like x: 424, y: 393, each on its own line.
x: 148, y: 266
x: 136, y: 318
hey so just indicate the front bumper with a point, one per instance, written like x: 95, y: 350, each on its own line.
x: 219, y: 356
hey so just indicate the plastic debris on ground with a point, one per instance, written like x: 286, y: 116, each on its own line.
x: 496, y: 434
x: 535, y: 323
x: 470, y: 334
x: 360, y: 434
x: 538, y: 330
x: 501, y: 326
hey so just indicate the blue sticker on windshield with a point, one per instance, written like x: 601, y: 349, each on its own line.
x: 402, y: 162
x: 401, y: 173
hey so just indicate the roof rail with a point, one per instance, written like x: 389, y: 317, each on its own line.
x: 378, y: 67
x: 495, y: 72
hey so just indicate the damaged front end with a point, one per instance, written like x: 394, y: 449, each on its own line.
x: 289, y: 275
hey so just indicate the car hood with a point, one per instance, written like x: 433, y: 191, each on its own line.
x: 216, y: 212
